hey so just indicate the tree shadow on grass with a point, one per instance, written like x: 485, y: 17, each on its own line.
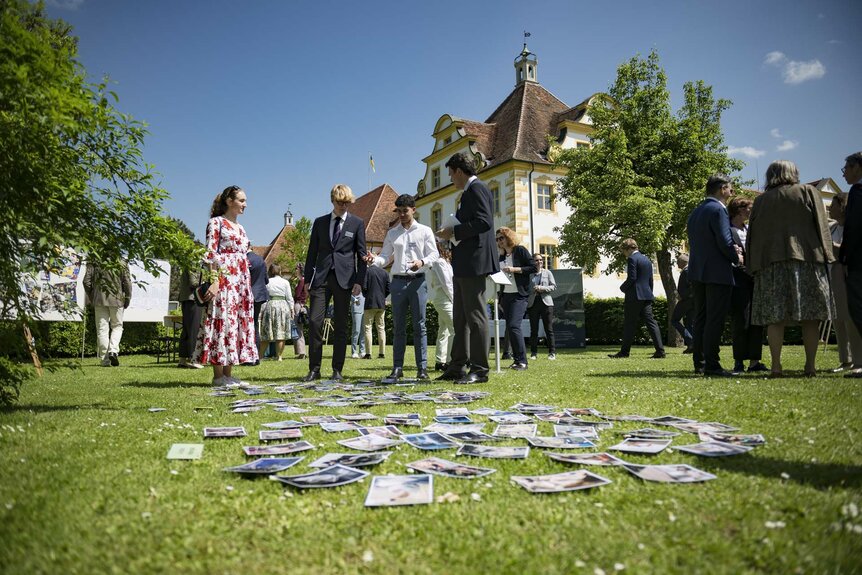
x: 166, y: 384
x: 634, y: 372
x: 50, y: 408
x: 817, y: 475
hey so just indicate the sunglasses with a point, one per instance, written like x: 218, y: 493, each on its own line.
x: 500, y: 239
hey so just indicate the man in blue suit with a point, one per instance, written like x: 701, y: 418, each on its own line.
x: 710, y: 271
x: 259, y: 279
x: 639, y: 298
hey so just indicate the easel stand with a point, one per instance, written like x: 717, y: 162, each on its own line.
x: 34, y: 355
x: 499, y: 279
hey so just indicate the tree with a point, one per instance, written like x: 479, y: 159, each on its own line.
x: 645, y: 171
x: 294, y: 245
x: 72, y: 174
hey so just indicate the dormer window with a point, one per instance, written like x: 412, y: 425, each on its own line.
x: 435, y: 178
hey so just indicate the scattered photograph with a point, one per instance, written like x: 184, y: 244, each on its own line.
x: 281, y: 449
x: 331, y: 476
x: 533, y: 408
x: 671, y: 420
x: 247, y: 408
x: 713, y: 449
x: 559, y: 417
x: 510, y: 417
x: 351, y: 459
x: 698, y: 426
x: 448, y: 428
x: 583, y: 411
x: 561, y: 442
x: 446, y: 468
x: 494, y: 452
x: 470, y: 436
x: 646, y: 446
x: 559, y: 482
x: 649, y: 433
x: 368, y: 442
x: 318, y: 419
x: 389, y: 431
x: 604, y: 459
x: 358, y: 416
x: 186, y: 451
x: 515, y: 430
x: 331, y: 403
x: 278, y: 434
x: 486, y: 411
x: 575, y: 431
x: 669, y: 473
x: 752, y: 440
x: 430, y: 441
x: 266, y: 465
x: 339, y: 426
x: 451, y: 411
x: 452, y: 419
x: 402, y: 421
x: 286, y: 424
x: 156, y: 409
x: 404, y: 415
x: 387, y: 490
x: 291, y: 409
x: 220, y: 432
x: 625, y: 417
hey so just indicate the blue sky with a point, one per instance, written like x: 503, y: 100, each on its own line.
x: 286, y: 98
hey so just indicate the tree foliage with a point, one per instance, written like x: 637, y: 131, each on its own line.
x: 294, y: 246
x: 72, y: 174
x: 645, y: 171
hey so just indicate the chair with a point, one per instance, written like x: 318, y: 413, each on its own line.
x: 168, y: 345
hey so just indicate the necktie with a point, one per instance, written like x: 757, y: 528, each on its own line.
x: 336, y: 233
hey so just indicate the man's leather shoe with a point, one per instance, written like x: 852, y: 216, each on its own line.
x: 446, y: 376
x: 689, y: 349
x: 618, y: 355
x: 312, y: 375
x: 717, y: 373
x: 115, y: 361
x: 366, y: 356
x: 518, y: 366
x: 397, y: 373
x: 472, y: 377
x: 698, y: 371
x: 757, y: 367
x: 336, y: 376
x: 440, y: 366
x: 658, y: 355
x: 422, y: 374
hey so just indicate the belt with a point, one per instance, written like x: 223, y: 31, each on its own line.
x: 407, y: 277
x: 277, y: 298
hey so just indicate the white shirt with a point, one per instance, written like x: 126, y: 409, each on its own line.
x: 332, y: 224
x: 509, y: 287
x: 402, y: 246
x: 469, y: 181
x: 280, y: 287
x: 440, y: 284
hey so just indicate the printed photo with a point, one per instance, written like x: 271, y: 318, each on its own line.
x: 265, y: 466
x: 389, y: 431
x: 430, y: 441
x: 713, y: 449
x: 339, y: 426
x: 220, y: 432
x: 735, y: 438
x: 470, y: 436
x: 486, y: 411
x: 402, y: 421
x: 533, y: 408
x: 446, y: 468
x: 558, y: 482
x: 281, y: 449
x: 357, y: 416
x: 351, y: 459
x: 277, y: 434
x: 387, y: 490
x: 368, y: 442
x: 451, y: 419
x: 291, y: 409
x: 561, y: 442
x: 671, y: 420
x: 494, y: 452
x: 448, y: 428
x: 604, y: 459
x: 650, y: 433
x: 318, y: 419
x: 583, y: 411
x: 575, y: 431
x: 510, y: 417
x: 515, y: 430
x: 646, y: 446
x: 711, y: 426
x: 331, y: 476
x: 286, y: 424
x: 625, y: 417
x: 451, y: 411
x: 669, y: 473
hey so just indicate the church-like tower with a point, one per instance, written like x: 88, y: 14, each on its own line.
x: 526, y: 66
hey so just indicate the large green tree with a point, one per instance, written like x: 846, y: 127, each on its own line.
x: 72, y: 174
x: 645, y: 171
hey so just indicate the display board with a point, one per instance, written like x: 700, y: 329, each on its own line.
x: 59, y: 294
x: 149, y: 301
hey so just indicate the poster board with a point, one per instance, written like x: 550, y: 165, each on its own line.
x: 58, y: 293
x: 150, y: 301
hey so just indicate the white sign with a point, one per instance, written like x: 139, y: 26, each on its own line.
x: 150, y: 301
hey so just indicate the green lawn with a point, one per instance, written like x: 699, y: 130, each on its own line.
x: 85, y: 486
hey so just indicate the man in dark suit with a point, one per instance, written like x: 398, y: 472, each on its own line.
x: 681, y: 318
x: 474, y: 257
x: 850, y: 253
x: 259, y: 279
x: 376, y: 291
x: 710, y: 270
x: 638, y: 302
x: 335, y: 263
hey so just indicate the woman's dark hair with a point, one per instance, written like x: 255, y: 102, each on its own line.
x: 219, y: 206
x: 274, y: 270
x: 736, y: 205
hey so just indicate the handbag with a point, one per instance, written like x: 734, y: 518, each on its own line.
x: 199, y: 293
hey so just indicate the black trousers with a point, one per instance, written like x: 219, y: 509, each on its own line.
x: 711, y: 305
x: 546, y: 313
x: 470, y: 317
x: 319, y: 300
x: 634, y: 311
x: 515, y: 306
x: 747, y: 338
x: 257, y: 307
x: 854, y: 296
x: 189, y: 333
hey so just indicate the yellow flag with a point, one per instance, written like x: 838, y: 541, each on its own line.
x: 371, y: 159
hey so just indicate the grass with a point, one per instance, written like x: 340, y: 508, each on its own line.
x: 85, y: 486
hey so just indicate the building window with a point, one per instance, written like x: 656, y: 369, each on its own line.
x: 582, y: 144
x: 495, y: 199
x: 447, y: 141
x: 436, y: 219
x: 544, y: 199
x: 549, y: 254
x: 435, y: 178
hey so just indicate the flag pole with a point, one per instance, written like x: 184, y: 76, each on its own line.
x: 369, y: 170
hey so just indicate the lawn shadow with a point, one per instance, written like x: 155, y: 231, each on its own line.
x: 634, y: 372
x: 166, y: 384
x: 51, y: 408
x: 817, y: 475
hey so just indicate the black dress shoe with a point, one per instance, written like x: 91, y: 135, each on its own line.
x: 506, y: 356
x: 618, y: 355
x: 447, y: 376
x: 366, y: 356
x: 698, y: 371
x: 472, y: 377
x: 422, y: 374
x: 381, y: 356
x: 518, y: 366
x: 689, y: 349
x: 717, y: 373
x: 397, y: 373
x: 312, y: 375
x: 336, y: 376
x: 439, y: 366
x: 658, y: 355
x: 115, y: 361
x: 757, y: 367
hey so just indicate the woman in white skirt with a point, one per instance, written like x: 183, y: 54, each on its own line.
x: 277, y: 313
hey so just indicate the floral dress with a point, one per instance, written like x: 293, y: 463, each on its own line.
x: 226, y: 333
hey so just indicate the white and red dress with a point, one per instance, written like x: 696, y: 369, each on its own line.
x: 226, y: 333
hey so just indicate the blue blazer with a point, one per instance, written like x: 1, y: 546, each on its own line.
x: 850, y: 253
x: 638, y: 284
x: 713, y: 253
x: 259, y: 279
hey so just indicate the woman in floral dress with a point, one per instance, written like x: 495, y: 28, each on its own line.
x: 226, y: 334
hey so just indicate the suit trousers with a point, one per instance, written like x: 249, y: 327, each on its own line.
x: 410, y: 295
x: 546, y: 313
x: 470, y: 317
x: 747, y: 339
x: 681, y: 320
x: 515, y: 307
x: 357, y: 339
x: 298, y: 342
x: 109, y: 330
x: 375, y: 317
x: 635, y: 310
x: 189, y: 333
x: 316, y: 314
x: 849, y: 339
x: 257, y: 307
x: 711, y: 305
x: 445, y: 331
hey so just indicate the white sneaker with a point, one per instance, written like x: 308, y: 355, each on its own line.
x: 355, y: 356
x: 234, y: 382
x: 194, y: 365
x: 552, y: 356
x: 533, y: 356
x: 220, y: 382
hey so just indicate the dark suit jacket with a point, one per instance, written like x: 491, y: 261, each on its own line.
x: 345, y: 258
x: 850, y: 253
x: 683, y: 286
x: 376, y: 288
x: 259, y: 279
x: 521, y: 258
x: 712, y: 253
x: 638, y: 284
x: 741, y: 278
x: 476, y: 254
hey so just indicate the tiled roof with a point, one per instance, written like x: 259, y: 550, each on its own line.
x: 376, y: 210
x: 273, y: 250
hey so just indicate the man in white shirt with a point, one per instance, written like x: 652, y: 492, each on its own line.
x: 410, y: 248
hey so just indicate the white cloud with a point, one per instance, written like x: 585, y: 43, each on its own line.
x: 747, y: 151
x: 65, y: 4
x: 821, y: 16
x: 775, y: 133
x: 835, y: 42
x: 775, y: 58
x: 798, y: 72
x: 787, y: 145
